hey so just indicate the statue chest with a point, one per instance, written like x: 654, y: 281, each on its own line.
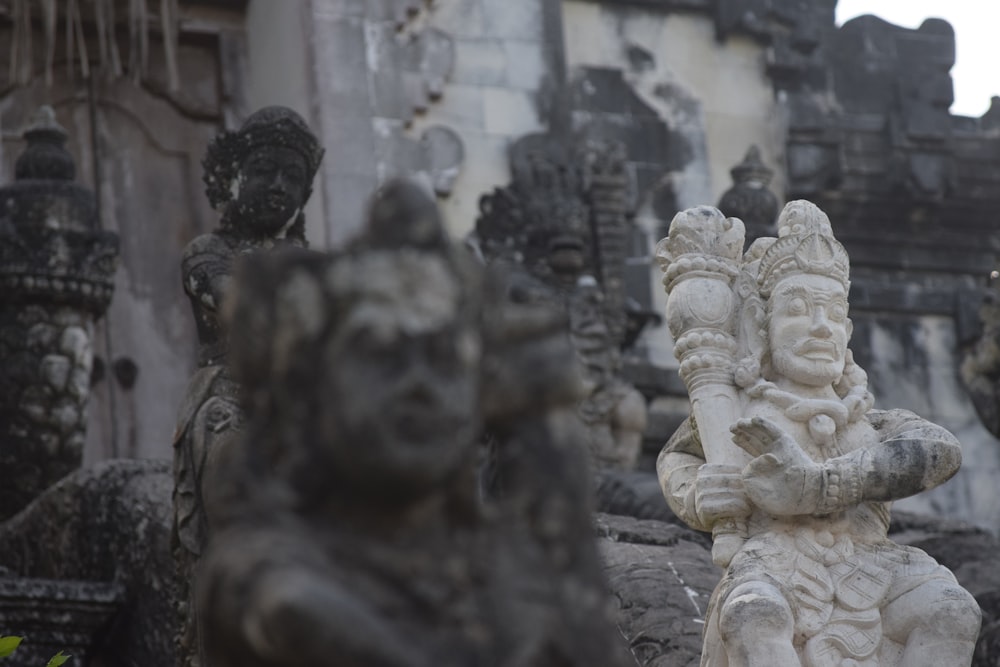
x: 824, y: 441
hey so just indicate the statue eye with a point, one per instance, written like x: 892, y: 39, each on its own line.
x: 797, y: 306
x: 837, y: 312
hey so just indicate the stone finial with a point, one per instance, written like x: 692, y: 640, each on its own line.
x: 749, y: 199
x: 57, y: 275
x: 46, y: 156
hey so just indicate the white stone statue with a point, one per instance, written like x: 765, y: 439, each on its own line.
x: 787, y: 463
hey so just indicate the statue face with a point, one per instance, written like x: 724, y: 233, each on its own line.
x: 273, y: 186
x: 402, y: 412
x: 809, y: 329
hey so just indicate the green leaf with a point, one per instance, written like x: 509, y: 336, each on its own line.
x: 58, y: 659
x: 8, y: 645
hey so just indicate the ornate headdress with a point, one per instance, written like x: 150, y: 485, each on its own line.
x: 805, y: 244
x: 399, y: 279
x: 544, y: 206
x: 270, y: 126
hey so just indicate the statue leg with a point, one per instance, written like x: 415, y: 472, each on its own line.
x: 937, y: 623
x: 756, y: 625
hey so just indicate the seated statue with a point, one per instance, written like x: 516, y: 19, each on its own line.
x: 356, y: 536
x: 261, y: 177
x: 806, y: 479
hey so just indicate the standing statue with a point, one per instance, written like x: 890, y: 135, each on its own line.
x: 560, y: 228
x: 359, y: 538
x: 786, y: 461
x: 260, y: 177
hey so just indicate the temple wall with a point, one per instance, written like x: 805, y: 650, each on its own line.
x: 714, y: 99
x: 492, y: 96
x: 716, y: 94
x: 912, y: 363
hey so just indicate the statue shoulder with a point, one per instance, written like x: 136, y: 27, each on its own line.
x: 900, y: 423
x: 206, y: 245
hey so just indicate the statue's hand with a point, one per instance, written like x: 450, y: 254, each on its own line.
x: 781, y: 479
x: 719, y: 494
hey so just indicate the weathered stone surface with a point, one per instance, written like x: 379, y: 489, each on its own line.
x: 108, y: 525
x: 561, y: 228
x: 662, y: 576
x: 981, y: 363
x: 56, y: 273
x: 56, y: 616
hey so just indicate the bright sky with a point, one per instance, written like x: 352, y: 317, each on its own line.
x: 976, y: 73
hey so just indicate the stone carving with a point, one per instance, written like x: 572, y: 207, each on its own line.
x: 87, y: 568
x: 798, y: 493
x: 260, y: 177
x: 749, y: 199
x: 428, y: 58
x: 355, y: 535
x: 561, y: 226
x: 56, y: 268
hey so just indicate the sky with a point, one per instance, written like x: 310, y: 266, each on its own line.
x: 976, y: 73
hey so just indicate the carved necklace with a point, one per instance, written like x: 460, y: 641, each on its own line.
x: 823, y: 417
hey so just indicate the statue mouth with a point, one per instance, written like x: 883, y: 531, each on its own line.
x: 276, y: 202
x: 814, y: 348
x: 425, y: 425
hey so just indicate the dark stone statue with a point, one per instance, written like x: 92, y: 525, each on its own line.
x: 260, y: 177
x: 350, y: 529
x: 56, y: 270
x: 559, y: 228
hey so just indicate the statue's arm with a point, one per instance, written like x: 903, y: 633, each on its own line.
x: 283, y: 608
x: 677, y: 468
x: 913, y: 455
x: 698, y: 493
x: 206, y: 270
x: 299, y: 618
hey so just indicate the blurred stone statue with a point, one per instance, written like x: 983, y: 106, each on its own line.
x: 560, y: 229
x: 787, y: 463
x: 260, y: 177
x: 356, y: 536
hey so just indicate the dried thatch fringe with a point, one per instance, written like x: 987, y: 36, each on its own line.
x: 102, y: 14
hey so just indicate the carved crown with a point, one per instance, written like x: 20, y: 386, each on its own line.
x: 805, y: 244
x: 270, y: 126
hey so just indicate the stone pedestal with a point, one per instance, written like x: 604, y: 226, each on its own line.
x: 55, y: 616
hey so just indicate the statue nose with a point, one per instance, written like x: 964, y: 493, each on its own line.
x: 278, y: 184
x: 820, y: 326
